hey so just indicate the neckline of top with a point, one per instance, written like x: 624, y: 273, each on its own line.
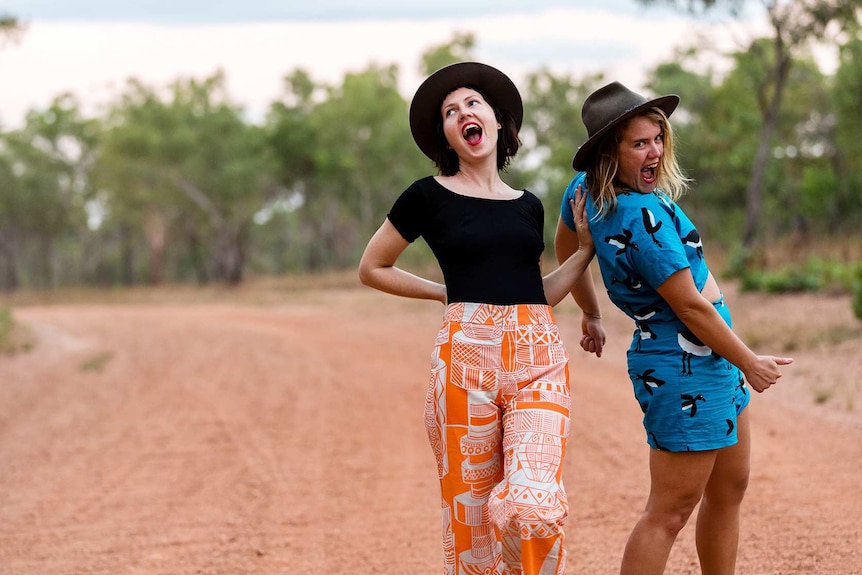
x: 451, y: 191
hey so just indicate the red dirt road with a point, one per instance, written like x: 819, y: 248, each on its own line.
x: 237, y: 438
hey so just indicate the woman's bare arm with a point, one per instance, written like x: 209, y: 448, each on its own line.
x: 377, y: 268
x: 704, y: 321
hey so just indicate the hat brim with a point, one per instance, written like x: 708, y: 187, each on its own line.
x: 425, y: 107
x: 666, y: 104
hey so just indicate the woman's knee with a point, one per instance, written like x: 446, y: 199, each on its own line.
x: 672, y: 516
x: 727, y: 489
x: 729, y: 479
x: 528, y: 513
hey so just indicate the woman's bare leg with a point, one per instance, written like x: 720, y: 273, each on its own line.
x: 718, y: 517
x: 677, y: 483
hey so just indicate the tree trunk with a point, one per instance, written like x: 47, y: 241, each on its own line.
x: 195, y: 251
x: 46, y: 256
x: 230, y: 254
x: 770, y: 106
x: 9, y: 269
x: 127, y: 256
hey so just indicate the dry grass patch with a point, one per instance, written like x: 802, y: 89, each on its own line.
x: 14, y: 337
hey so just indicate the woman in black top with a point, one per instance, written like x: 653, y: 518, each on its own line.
x: 497, y: 408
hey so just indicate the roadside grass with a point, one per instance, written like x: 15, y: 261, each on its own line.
x: 98, y: 362
x: 816, y: 327
x: 14, y: 337
x: 261, y: 290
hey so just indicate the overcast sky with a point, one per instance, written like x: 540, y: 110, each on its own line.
x: 92, y: 47
x: 233, y: 11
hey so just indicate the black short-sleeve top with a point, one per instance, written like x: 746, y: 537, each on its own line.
x: 489, y: 250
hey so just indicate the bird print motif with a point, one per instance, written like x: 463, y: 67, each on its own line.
x: 650, y: 224
x: 669, y: 205
x: 689, y: 402
x: 641, y: 315
x: 741, y: 386
x: 644, y: 333
x: 691, y: 346
x: 622, y: 241
x: 649, y: 381
x: 692, y: 240
x: 632, y: 283
x: 644, y: 313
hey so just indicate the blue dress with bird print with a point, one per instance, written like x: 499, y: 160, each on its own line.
x: 689, y: 395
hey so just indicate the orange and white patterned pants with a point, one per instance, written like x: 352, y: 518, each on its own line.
x: 497, y: 416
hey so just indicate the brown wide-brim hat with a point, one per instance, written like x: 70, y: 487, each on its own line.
x: 607, y: 107
x: 425, y: 107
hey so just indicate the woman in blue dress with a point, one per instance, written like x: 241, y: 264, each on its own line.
x: 687, y: 366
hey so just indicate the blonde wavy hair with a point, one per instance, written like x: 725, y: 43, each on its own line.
x: 671, y: 181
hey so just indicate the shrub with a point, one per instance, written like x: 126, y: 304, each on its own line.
x: 814, y: 276
x: 857, y: 295
x: 7, y: 323
x: 783, y: 281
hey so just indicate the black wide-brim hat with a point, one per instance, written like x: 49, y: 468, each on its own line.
x: 606, y: 108
x: 425, y: 107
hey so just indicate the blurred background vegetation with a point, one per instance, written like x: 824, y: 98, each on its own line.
x: 174, y: 184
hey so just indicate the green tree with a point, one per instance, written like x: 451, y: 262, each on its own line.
x: 718, y: 131
x: 190, y: 157
x: 795, y: 24
x: 845, y: 211
x: 701, y: 6
x: 10, y: 29
x: 282, y: 230
x: 48, y: 162
x: 458, y: 49
x: 9, y: 231
x: 551, y: 132
x: 343, y: 158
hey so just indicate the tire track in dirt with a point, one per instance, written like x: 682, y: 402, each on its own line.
x: 224, y: 439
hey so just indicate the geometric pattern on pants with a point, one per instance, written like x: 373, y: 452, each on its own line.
x: 497, y: 416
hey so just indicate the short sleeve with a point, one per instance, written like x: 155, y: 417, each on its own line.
x: 538, y: 210
x: 406, y: 212
x: 565, y: 209
x: 659, y: 253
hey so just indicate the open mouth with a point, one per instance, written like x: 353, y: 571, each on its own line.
x: 648, y: 174
x: 472, y: 134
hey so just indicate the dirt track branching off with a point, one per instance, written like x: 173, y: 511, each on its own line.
x: 277, y: 429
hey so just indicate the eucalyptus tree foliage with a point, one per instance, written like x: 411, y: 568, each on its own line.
x: 136, y: 202
x: 841, y: 208
x: 46, y: 186
x: 282, y: 234
x: 458, y: 49
x: 9, y: 233
x: 717, y: 133
x: 550, y: 134
x: 346, y: 153
x: 795, y: 26
x: 700, y: 7
x: 186, y: 164
x: 10, y: 29
x: 712, y: 141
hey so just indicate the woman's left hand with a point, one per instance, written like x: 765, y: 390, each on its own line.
x: 579, y: 211
x: 593, y: 338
